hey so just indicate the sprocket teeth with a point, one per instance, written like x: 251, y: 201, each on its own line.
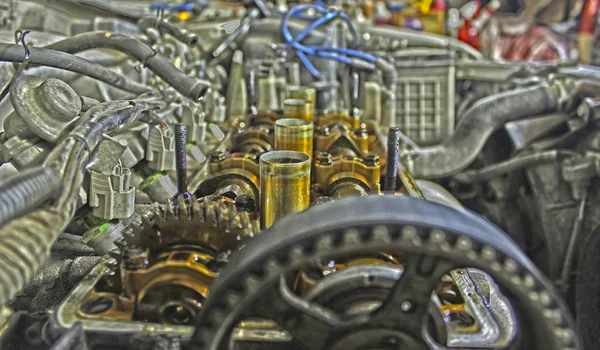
x: 213, y: 220
x: 173, y: 209
x: 160, y: 211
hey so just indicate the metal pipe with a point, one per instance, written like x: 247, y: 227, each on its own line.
x: 293, y: 134
x: 565, y: 276
x: 284, y: 185
x: 61, y: 60
x: 162, y: 67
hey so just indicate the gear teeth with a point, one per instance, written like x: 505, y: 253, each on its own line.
x: 173, y: 209
x: 211, y: 213
x: 184, y: 207
x: 235, y: 219
x: 203, y: 203
x: 196, y: 209
x: 212, y: 222
x: 224, y: 218
x: 160, y: 211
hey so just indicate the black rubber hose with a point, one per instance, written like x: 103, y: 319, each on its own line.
x: 61, y: 60
x: 186, y: 85
x: 495, y: 170
x: 27, y: 190
x: 476, y: 126
x: 167, y: 27
x: 108, y: 117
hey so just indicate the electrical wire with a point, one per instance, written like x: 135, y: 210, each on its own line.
x: 343, y: 55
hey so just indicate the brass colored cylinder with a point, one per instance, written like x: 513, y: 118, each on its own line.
x: 284, y: 185
x: 297, y: 108
x: 306, y: 93
x: 294, y: 135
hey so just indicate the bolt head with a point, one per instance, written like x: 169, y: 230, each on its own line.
x: 216, y: 157
x: 406, y: 306
x: 324, y: 158
x: 361, y: 132
x: 322, y: 131
x: 372, y: 160
x: 245, y: 203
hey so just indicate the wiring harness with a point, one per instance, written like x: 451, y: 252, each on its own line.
x: 343, y: 55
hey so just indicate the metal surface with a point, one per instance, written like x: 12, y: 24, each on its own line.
x: 298, y: 109
x: 115, y: 110
x: 425, y: 95
x: 462, y: 147
x: 294, y: 135
x: 392, y: 222
x: 181, y: 159
x: 345, y: 176
x: 284, y: 185
x: 305, y: 93
x: 48, y: 107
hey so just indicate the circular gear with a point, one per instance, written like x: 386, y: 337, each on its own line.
x: 433, y: 240
x: 211, y: 222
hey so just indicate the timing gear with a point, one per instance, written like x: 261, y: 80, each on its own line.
x: 432, y: 239
x: 211, y: 222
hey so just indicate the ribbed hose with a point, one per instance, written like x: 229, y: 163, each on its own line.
x: 24, y: 247
x: 27, y: 190
x: 61, y: 60
x: 476, y: 126
x: 186, y: 85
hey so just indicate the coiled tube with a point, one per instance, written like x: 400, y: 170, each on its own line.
x: 25, y: 246
x: 27, y: 190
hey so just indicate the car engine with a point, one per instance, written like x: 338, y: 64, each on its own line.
x: 258, y: 175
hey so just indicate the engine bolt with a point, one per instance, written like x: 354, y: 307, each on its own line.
x: 324, y: 158
x: 245, y: 203
x: 322, y: 131
x: 406, y: 306
x: 361, y: 132
x: 391, y: 168
x: 216, y: 157
x: 181, y: 159
x: 372, y: 160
